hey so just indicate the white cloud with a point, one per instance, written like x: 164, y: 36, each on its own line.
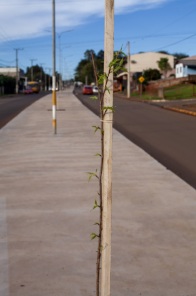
x: 22, y: 19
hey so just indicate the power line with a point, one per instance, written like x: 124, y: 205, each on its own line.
x: 179, y: 41
x: 37, y: 3
x: 5, y: 36
x: 42, y: 45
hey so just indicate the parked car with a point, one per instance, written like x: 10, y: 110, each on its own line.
x: 87, y: 90
x: 28, y: 90
x: 95, y: 89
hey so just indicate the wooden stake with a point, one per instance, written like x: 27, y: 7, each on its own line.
x: 107, y: 161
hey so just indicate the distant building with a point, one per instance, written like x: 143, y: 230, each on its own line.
x: 148, y: 60
x: 11, y: 71
x: 186, y: 67
x: 144, y: 61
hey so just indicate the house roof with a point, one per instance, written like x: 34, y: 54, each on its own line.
x: 190, y: 61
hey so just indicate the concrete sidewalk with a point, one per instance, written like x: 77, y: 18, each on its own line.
x: 46, y: 215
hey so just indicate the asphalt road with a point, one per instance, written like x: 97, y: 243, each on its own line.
x: 167, y: 136
x: 12, y: 105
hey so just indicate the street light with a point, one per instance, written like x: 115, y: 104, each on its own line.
x: 59, y: 42
x: 60, y: 58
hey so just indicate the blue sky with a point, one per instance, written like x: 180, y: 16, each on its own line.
x: 149, y: 25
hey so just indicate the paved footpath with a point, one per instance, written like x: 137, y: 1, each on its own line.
x: 46, y: 214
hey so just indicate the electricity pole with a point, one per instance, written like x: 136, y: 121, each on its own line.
x: 45, y: 83
x: 32, y: 60
x: 128, y: 71
x: 107, y: 162
x: 60, y: 53
x: 54, y: 121
x: 17, y: 70
x: 41, y: 76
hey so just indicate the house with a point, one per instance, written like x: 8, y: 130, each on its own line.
x: 186, y: 67
x: 148, y: 60
x: 144, y: 61
x: 10, y: 71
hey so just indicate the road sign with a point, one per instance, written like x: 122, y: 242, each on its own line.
x: 141, y: 79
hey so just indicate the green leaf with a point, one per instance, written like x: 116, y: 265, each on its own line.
x: 91, y: 175
x: 106, y: 108
x: 96, y: 128
x: 118, y: 68
x: 113, y: 63
x: 96, y: 205
x: 94, y: 98
x: 102, y: 78
x: 97, y: 223
x: 93, y: 235
x: 98, y: 154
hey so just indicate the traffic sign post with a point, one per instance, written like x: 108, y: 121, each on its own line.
x: 141, y: 80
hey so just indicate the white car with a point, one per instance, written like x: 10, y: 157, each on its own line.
x: 95, y: 90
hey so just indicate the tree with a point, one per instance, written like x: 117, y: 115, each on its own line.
x: 85, y: 67
x: 37, y: 70
x: 179, y: 56
x: 88, y: 54
x: 163, y: 51
x: 151, y: 74
x: 164, y: 66
x: 100, y: 55
x: 8, y: 84
x: 83, y: 70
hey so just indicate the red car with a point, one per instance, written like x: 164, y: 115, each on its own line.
x: 27, y: 90
x: 87, y: 90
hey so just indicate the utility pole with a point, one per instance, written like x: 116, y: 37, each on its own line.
x: 32, y: 60
x: 54, y: 103
x: 45, y: 83
x: 107, y: 162
x: 60, y: 53
x: 128, y: 71
x: 41, y: 76
x: 17, y: 70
